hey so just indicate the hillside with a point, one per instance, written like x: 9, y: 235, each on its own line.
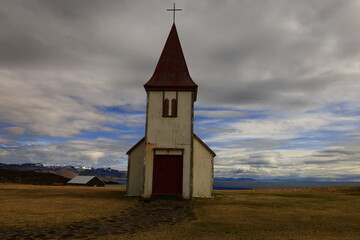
x: 28, y: 177
x: 68, y: 171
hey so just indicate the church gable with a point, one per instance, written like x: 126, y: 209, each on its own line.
x: 204, y: 145
x: 135, y: 146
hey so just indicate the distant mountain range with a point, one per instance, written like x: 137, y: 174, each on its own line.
x: 233, y: 179
x: 68, y: 171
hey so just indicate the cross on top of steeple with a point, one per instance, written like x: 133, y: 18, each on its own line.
x: 174, y: 10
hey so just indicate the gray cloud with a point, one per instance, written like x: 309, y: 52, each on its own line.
x: 254, y: 55
x: 219, y: 114
x: 345, y: 156
x: 63, y: 62
x: 14, y: 130
x: 243, y: 172
x: 252, y: 159
x: 256, y: 144
x: 283, y: 59
x: 97, y: 153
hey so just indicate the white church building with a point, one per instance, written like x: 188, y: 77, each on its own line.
x: 170, y: 159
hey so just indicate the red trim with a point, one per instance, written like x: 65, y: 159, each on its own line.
x: 169, y: 149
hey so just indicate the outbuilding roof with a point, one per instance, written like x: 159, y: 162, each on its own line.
x: 171, y: 72
x: 82, y: 179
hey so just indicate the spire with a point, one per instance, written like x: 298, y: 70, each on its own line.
x: 171, y: 72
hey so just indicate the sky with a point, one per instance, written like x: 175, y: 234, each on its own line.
x: 279, y: 87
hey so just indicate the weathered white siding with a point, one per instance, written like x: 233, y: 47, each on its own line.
x: 169, y: 132
x: 136, y: 170
x: 202, y: 171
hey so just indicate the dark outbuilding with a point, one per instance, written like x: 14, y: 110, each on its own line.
x: 91, y: 181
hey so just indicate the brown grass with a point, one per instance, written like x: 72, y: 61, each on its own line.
x: 31, y: 205
x: 316, y: 213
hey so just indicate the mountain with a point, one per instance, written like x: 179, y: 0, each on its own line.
x: 233, y: 179
x: 28, y: 177
x: 68, y: 171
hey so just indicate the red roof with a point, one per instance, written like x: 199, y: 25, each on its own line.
x: 171, y: 72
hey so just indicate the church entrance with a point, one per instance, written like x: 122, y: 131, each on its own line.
x: 167, y: 175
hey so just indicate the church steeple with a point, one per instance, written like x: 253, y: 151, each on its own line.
x: 170, y: 159
x: 171, y: 72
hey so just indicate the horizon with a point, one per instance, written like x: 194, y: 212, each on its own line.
x: 278, y: 83
x: 222, y: 179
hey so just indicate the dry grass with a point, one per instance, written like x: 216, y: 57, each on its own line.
x: 30, y: 205
x: 317, y: 213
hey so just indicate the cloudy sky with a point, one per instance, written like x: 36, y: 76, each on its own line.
x: 279, y: 86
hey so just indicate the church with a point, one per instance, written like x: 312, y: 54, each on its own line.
x: 170, y: 159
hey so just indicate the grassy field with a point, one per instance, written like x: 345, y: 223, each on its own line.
x: 316, y: 213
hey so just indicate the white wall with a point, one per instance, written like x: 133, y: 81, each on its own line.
x: 136, y: 171
x: 169, y: 132
x: 202, y: 171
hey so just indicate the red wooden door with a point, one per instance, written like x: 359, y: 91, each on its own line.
x: 167, y: 174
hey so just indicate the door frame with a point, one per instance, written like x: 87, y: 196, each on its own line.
x: 171, y: 152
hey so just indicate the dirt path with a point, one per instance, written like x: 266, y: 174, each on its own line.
x: 143, y: 216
